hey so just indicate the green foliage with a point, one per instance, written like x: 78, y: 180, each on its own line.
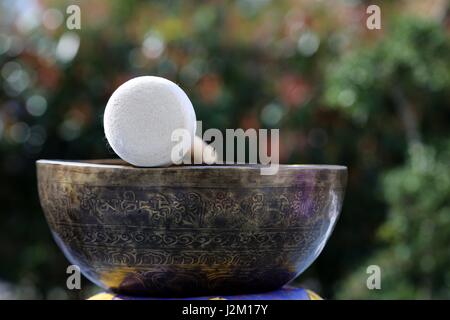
x: 413, y: 56
x: 415, y: 259
x: 406, y: 72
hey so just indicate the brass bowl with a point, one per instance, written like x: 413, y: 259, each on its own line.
x: 189, y: 230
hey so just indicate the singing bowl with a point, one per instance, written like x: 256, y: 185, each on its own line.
x: 189, y: 230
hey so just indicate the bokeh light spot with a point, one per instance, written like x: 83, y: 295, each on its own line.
x: 347, y: 97
x: 19, y: 132
x: 153, y: 46
x: 70, y: 129
x: 68, y: 46
x: 38, y: 135
x: 308, y: 43
x: 5, y: 43
x: 36, y: 105
x: 272, y: 114
x: 52, y: 19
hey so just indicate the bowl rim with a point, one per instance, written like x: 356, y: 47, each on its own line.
x: 100, y: 163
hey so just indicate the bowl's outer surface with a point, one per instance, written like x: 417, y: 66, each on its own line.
x: 195, y: 230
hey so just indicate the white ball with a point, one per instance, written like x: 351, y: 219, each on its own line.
x: 140, y: 117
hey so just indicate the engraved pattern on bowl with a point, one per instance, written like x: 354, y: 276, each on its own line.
x: 189, y: 230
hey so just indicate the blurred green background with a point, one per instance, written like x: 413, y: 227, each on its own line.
x: 377, y: 101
